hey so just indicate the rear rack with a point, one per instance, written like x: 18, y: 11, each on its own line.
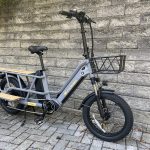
x: 30, y: 77
x: 108, y: 65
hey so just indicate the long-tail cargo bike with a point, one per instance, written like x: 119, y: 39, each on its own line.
x: 105, y: 114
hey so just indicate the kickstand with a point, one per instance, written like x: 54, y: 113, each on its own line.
x: 25, y: 117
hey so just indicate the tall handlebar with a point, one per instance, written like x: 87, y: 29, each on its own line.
x: 80, y: 16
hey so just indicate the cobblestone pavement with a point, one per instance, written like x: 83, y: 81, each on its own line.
x: 60, y: 131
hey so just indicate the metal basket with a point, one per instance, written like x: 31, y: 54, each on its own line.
x: 108, y: 65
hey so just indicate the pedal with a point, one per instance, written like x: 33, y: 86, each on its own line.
x: 39, y: 120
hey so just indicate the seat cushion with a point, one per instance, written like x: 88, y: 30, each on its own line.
x: 37, y: 49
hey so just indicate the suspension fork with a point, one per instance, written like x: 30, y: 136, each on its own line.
x: 97, y: 93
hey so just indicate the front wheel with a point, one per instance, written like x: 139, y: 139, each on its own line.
x: 117, y: 121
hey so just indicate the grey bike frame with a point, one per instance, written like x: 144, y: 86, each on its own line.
x: 81, y: 72
x: 74, y: 81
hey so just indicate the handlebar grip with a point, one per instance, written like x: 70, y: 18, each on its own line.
x: 65, y: 13
x: 69, y: 14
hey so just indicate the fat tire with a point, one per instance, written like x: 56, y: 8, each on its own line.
x: 4, y: 103
x: 125, y: 108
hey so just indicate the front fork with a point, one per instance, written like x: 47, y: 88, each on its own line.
x: 97, y: 90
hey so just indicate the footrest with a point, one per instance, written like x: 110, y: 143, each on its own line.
x: 9, y: 97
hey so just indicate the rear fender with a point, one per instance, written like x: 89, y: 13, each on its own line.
x: 2, y: 76
x: 108, y: 91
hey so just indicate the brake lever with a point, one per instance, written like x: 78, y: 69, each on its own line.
x: 65, y: 14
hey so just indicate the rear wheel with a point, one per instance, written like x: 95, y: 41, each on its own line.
x: 6, y: 105
x: 118, y: 120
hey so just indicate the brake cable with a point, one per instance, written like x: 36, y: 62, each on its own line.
x: 90, y: 21
x: 92, y: 39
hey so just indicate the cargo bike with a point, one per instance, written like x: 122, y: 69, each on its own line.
x: 105, y: 114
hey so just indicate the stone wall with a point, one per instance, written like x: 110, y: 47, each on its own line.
x: 122, y: 26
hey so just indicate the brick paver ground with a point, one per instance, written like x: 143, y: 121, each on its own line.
x: 60, y: 131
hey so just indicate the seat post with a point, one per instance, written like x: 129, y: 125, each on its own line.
x: 41, y: 61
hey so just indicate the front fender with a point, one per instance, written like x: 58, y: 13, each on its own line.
x: 93, y: 95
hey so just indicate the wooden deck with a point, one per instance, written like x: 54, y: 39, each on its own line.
x: 9, y: 97
x: 25, y: 72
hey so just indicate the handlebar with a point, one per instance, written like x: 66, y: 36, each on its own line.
x: 80, y: 16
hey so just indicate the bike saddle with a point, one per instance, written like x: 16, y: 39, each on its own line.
x: 37, y: 49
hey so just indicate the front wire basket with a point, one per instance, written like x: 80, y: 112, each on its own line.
x: 108, y: 65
